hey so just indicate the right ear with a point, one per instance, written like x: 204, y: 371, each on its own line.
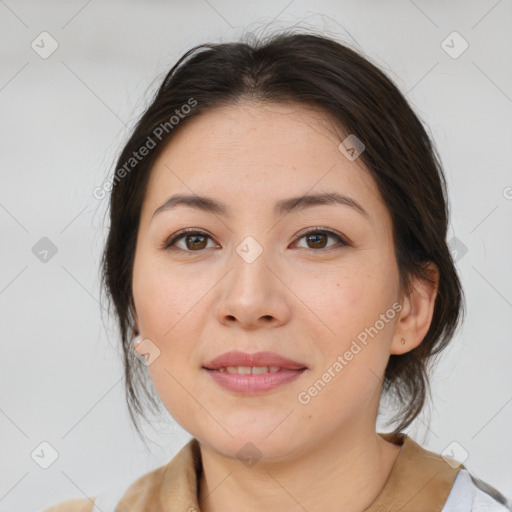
x: 135, y: 328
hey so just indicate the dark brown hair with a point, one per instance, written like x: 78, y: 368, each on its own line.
x: 400, y: 156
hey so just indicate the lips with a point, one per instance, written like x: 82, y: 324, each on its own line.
x: 253, y: 374
x: 258, y: 359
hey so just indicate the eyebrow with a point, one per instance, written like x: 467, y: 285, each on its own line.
x: 281, y: 207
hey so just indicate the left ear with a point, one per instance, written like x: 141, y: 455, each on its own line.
x: 417, y: 311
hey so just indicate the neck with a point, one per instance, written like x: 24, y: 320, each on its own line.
x: 346, y: 473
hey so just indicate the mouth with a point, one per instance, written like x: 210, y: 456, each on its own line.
x: 253, y: 383
x: 257, y: 363
x: 249, y: 370
x: 252, y: 374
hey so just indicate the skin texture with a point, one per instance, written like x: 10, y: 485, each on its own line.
x: 304, y: 300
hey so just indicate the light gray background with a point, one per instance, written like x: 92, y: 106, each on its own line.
x: 63, y: 120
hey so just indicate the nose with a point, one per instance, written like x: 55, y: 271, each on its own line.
x: 253, y: 295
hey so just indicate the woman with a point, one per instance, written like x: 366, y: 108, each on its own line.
x: 277, y: 260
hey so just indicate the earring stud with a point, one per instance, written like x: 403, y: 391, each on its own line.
x: 403, y: 341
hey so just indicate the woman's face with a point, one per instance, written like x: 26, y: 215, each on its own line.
x: 253, y: 280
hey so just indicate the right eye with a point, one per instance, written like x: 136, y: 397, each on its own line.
x: 194, y: 240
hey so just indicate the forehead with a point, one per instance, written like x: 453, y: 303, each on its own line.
x: 256, y: 153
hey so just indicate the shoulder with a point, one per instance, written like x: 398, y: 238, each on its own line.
x: 174, y: 482
x: 470, y: 493
x: 128, y: 495
x: 449, y: 487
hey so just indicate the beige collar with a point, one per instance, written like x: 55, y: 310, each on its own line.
x: 420, y: 480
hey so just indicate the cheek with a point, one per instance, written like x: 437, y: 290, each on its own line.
x: 161, y: 297
x: 346, y: 380
x: 168, y: 310
x: 171, y: 308
x: 348, y: 298
x: 355, y: 309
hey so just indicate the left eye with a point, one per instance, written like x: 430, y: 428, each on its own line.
x: 318, y: 237
x: 195, y: 240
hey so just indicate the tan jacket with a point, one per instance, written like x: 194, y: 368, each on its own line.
x: 419, y: 481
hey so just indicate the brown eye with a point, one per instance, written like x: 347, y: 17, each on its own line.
x: 317, y: 239
x: 194, y: 241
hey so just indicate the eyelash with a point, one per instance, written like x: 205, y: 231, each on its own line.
x: 167, y: 245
